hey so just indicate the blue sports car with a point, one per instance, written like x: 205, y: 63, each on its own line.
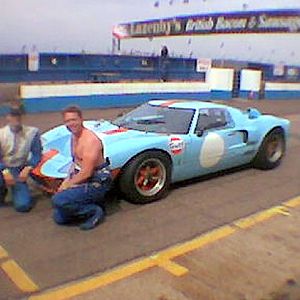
x: 165, y: 141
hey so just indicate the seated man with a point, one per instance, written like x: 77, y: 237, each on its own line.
x: 20, y: 152
x: 89, y: 179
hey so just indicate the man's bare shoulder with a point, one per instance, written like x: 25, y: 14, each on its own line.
x: 91, y: 139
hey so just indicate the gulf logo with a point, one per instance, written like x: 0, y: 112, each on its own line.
x: 176, y: 145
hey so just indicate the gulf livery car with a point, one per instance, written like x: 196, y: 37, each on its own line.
x: 162, y: 142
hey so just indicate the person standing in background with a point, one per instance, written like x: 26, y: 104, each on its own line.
x: 163, y: 64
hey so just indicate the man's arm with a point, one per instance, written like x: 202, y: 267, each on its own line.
x: 36, y: 156
x: 2, y: 164
x: 90, y: 157
x: 5, y: 173
x: 36, y: 151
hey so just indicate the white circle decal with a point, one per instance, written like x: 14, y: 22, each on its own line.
x: 212, y: 150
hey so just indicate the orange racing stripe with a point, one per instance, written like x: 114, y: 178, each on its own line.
x: 170, y: 102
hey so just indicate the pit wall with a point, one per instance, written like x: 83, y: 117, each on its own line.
x: 45, y: 98
x: 219, y: 84
x: 281, y: 90
x: 252, y: 86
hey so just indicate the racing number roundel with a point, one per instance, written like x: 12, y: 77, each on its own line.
x: 212, y: 150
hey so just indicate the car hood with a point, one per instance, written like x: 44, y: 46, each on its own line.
x: 115, y: 140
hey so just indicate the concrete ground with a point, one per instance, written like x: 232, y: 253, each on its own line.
x: 51, y: 255
x: 261, y: 262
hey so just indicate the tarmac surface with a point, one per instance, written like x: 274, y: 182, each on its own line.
x: 249, y: 264
x: 51, y: 255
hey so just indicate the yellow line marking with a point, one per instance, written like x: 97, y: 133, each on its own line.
x: 260, y: 217
x: 19, y: 277
x: 283, y: 210
x: 170, y: 266
x: 293, y: 202
x: 163, y: 258
x: 3, y: 253
x: 81, y: 287
x: 197, y: 243
x: 100, y: 280
x: 173, y: 268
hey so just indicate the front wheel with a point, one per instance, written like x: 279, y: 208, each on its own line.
x: 146, y: 178
x: 271, y: 150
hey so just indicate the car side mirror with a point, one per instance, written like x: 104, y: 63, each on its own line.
x: 199, y: 132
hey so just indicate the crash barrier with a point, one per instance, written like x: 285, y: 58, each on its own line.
x: 282, y: 90
x: 250, y: 84
x: 254, y: 84
x: 40, y: 98
x: 220, y: 81
x: 219, y: 84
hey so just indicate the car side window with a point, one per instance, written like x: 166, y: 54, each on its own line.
x: 213, y: 118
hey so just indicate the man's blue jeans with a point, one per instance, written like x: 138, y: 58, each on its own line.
x: 21, y: 197
x: 82, y: 202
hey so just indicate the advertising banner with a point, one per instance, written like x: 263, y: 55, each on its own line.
x: 273, y: 21
x: 203, y: 64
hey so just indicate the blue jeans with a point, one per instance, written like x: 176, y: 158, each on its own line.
x: 82, y: 202
x: 21, y: 197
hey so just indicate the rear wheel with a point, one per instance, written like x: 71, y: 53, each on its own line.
x: 271, y: 150
x: 146, y: 178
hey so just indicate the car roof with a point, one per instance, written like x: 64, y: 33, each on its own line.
x: 189, y: 104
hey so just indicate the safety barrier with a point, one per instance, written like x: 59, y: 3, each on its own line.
x: 41, y: 98
x: 250, y: 84
x: 281, y: 90
x: 219, y: 84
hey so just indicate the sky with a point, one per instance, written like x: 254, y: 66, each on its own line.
x: 76, y: 25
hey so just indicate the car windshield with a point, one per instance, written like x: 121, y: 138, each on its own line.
x: 154, y: 118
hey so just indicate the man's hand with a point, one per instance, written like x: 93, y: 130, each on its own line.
x: 24, y: 174
x: 8, y: 178
x: 64, y: 185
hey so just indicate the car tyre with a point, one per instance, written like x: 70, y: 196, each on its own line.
x: 271, y: 151
x: 146, y: 178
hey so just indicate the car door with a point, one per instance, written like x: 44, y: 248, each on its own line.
x: 215, y: 143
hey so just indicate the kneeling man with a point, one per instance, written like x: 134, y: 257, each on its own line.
x: 20, y: 152
x: 78, y: 197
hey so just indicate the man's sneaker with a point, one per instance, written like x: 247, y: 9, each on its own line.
x: 93, y: 221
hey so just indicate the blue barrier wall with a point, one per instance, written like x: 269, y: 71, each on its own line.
x: 97, y: 68
x: 44, y: 98
x: 57, y: 67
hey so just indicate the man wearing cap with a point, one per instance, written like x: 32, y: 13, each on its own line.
x: 20, y: 152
